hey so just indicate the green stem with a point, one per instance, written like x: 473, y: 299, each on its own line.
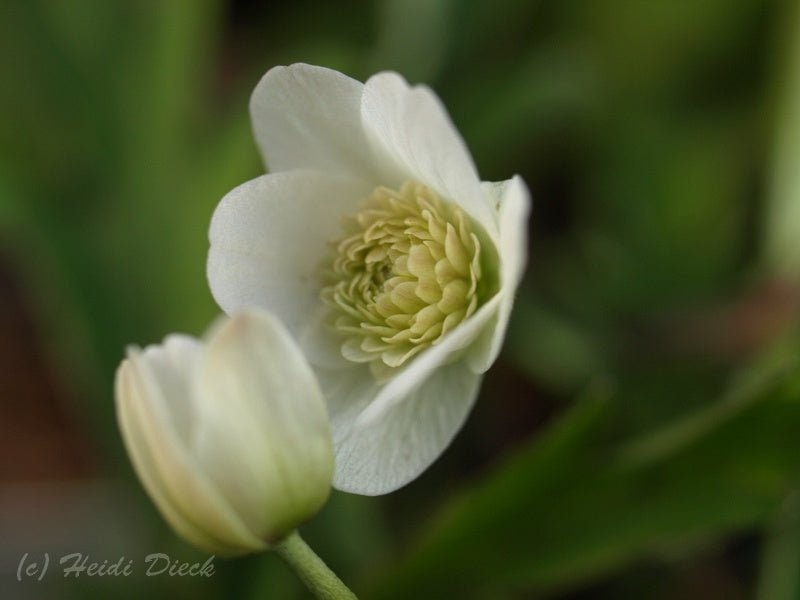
x: 310, y: 568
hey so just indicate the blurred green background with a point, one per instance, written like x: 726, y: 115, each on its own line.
x: 640, y: 436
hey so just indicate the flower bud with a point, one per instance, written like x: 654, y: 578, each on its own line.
x: 229, y: 435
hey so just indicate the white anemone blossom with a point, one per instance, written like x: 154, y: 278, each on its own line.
x: 375, y: 241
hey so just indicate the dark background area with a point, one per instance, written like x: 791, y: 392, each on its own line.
x: 637, y: 438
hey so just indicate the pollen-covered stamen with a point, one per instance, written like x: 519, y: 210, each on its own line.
x: 407, y: 271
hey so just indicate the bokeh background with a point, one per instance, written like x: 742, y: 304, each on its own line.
x: 640, y: 435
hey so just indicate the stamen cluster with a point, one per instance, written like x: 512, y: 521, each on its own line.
x: 405, y: 273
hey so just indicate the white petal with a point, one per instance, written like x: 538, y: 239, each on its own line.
x: 386, y: 453
x: 309, y: 117
x: 263, y: 435
x: 172, y: 363
x: 322, y: 347
x: 448, y: 350
x: 515, y: 207
x: 146, y: 468
x: 179, y: 488
x: 269, y: 240
x: 485, y: 330
x: 411, y: 131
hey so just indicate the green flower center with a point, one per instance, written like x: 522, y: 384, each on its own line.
x: 407, y: 271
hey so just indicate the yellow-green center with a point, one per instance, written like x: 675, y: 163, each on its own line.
x: 406, y: 271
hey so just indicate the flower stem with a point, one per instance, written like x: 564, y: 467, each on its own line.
x: 310, y: 568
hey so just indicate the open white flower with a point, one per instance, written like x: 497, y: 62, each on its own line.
x: 375, y: 241
x: 229, y: 436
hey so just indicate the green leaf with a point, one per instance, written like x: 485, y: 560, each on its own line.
x: 780, y: 567
x: 413, y: 37
x: 560, y: 355
x: 568, y: 508
x: 472, y: 519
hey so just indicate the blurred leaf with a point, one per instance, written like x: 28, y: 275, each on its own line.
x: 503, y: 111
x: 672, y: 42
x: 115, y: 175
x: 559, y: 354
x: 490, y: 27
x: 349, y: 533
x: 600, y: 511
x: 780, y: 568
x: 782, y: 223
x: 748, y: 388
x: 672, y: 229
x: 473, y: 523
x: 413, y: 37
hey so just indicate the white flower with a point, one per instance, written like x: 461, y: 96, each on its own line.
x: 229, y: 436
x: 375, y: 241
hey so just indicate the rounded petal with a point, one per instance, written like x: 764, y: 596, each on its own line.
x: 310, y: 117
x: 269, y: 238
x: 483, y: 333
x: 172, y: 364
x: 152, y: 435
x: 425, y: 365
x: 262, y: 435
x: 147, y: 469
x: 386, y: 453
x: 413, y: 136
x: 515, y: 207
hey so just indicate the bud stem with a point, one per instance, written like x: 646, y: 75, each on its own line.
x: 314, y: 573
